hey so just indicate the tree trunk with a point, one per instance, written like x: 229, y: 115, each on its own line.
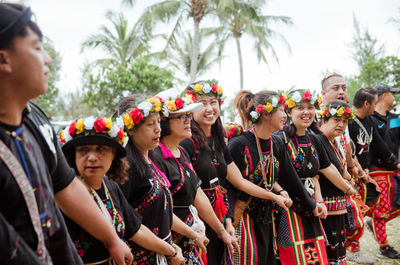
x: 240, y: 61
x: 195, y: 51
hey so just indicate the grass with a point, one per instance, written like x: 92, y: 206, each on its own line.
x: 370, y: 247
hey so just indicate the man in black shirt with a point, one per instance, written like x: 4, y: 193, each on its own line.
x: 369, y: 143
x: 34, y: 177
x: 388, y: 127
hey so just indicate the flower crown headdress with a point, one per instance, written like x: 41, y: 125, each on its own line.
x: 133, y: 118
x: 208, y: 87
x: 232, y: 129
x: 95, y: 126
x: 271, y: 105
x: 338, y: 111
x: 295, y: 99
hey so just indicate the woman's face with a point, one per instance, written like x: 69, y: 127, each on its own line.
x: 210, y: 112
x: 179, y: 125
x: 93, y: 161
x: 147, y: 136
x: 302, y: 116
x: 334, y: 126
x: 277, y: 119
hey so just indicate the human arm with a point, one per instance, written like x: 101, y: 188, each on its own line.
x: 76, y: 202
x: 318, y: 198
x: 333, y: 175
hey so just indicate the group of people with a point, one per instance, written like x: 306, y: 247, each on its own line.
x: 164, y: 181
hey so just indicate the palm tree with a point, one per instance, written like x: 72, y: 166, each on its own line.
x: 180, y: 10
x: 121, y: 44
x: 179, y: 56
x: 239, y: 17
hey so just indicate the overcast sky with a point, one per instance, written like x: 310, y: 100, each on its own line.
x: 322, y: 29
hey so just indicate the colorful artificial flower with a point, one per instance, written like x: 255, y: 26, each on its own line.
x: 271, y: 105
x: 232, y: 130
x: 93, y: 126
x: 295, y: 99
x: 208, y: 87
x: 339, y: 111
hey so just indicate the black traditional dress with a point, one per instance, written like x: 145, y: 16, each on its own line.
x: 125, y: 220
x: 211, y: 167
x: 184, y: 185
x: 299, y: 235
x: 257, y: 225
x: 335, y: 202
x: 151, y: 198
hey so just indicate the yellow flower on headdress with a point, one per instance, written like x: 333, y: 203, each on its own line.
x: 108, y: 123
x: 62, y: 136
x: 319, y: 100
x: 197, y: 88
x: 128, y: 121
x: 80, y: 127
x: 340, y: 111
x: 284, y: 95
x: 321, y: 113
x: 171, y: 105
x: 290, y: 103
x: 219, y: 90
x: 269, y: 107
x: 190, y: 98
x: 157, y: 104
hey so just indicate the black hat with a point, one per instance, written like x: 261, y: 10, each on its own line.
x: 382, y: 88
x: 12, y: 21
x: 94, y: 131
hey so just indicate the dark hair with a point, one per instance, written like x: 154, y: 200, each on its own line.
x: 291, y: 128
x: 23, y: 32
x: 244, y: 102
x: 328, y: 76
x: 164, y: 124
x: 334, y: 104
x: 132, y: 153
x: 118, y: 171
x: 364, y: 94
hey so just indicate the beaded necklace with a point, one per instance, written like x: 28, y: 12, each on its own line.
x: 338, y: 154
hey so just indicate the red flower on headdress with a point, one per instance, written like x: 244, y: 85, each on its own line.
x: 120, y: 134
x: 100, y: 126
x: 281, y: 100
x: 347, y: 111
x: 221, y: 102
x: 137, y: 115
x: 260, y: 108
x: 178, y: 103
x: 194, y: 97
x: 306, y: 95
x: 214, y: 87
x: 71, y: 129
x: 326, y: 112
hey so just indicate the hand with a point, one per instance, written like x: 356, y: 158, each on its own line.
x: 119, y: 251
x: 323, y: 212
x: 178, y: 259
x: 354, y: 171
x: 229, y: 227
x: 202, y: 241
x: 398, y: 166
x: 230, y: 241
x: 281, y: 201
x: 285, y: 194
x: 350, y: 191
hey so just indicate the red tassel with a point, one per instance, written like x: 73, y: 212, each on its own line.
x: 220, y: 209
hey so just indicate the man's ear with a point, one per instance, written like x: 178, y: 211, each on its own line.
x: 5, y: 65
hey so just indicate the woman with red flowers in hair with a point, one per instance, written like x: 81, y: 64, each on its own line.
x: 94, y: 147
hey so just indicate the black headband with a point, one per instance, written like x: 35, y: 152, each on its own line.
x: 12, y: 21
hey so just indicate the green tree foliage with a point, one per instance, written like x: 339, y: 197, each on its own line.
x: 71, y: 106
x: 48, y: 101
x: 244, y: 17
x: 104, y: 88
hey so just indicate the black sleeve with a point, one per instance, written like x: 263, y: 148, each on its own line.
x: 64, y: 174
x: 289, y: 180
x: 236, y: 149
x: 378, y: 146
x: 132, y: 218
x: 323, y: 158
x: 227, y: 156
x: 231, y: 193
x: 188, y: 146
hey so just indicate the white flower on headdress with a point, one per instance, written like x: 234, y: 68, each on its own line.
x: 314, y: 97
x: 165, y: 111
x: 296, y: 97
x: 67, y: 136
x: 126, y: 139
x: 114, y: 130
x: 146, y: 107
x: 206, y: 88
x: 254, y: 115
x: 119, y: 121
x: 333, y: 112
x: 88, y: 122
x: 275, y: 102
x: 185, y: 100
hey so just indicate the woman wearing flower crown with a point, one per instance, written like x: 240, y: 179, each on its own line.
x: 94, y: 147
x: 308, y: 158
x: 334, y: 119
x: 147, y: 188
x: 262, y: 114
